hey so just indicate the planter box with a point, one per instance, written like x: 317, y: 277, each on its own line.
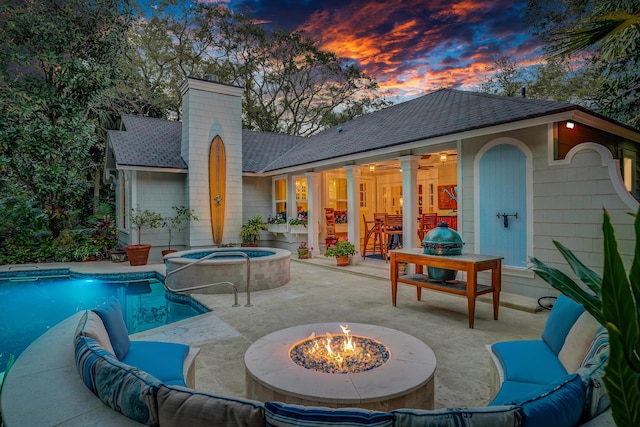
x: 299, y: 229
x: 278, y: 228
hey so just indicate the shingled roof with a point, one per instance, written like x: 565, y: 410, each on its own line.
x: 443, y: 112
x: 148, y: 142
x: 156, y: 143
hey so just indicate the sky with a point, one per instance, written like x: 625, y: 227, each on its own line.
x: 411, y: 47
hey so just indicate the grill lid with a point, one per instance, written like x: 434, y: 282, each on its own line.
x: 442, y: 240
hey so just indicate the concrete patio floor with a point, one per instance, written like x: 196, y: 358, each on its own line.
x: 320, y: 292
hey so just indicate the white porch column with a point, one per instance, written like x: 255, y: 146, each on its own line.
x: 409, y: 165
x: 314, y: 216
x: 353, y: 208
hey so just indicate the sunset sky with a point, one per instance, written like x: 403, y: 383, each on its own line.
x: 411, y: 47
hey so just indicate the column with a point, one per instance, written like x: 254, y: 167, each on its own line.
x: 314, y: 215
x: 409, y: 165
x: 353, y: 208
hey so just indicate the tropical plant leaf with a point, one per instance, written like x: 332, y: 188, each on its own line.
x: 621, y: 383
x: 569, y: 287
x: 584, y: 273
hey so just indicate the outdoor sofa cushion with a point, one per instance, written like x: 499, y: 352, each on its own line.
x: 286, y: 415
x: 559, y: 406
x: 578, y: 342
x: 180, y: 407
x: 122, y: 387
x: 529, y: 361
x: 563, y: 316
x: 111, y: 316
x: 163, y: 360
x: 493, y: 416
x: 91, y: 326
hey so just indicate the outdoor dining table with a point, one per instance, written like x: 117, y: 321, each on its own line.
x: 470, y: 263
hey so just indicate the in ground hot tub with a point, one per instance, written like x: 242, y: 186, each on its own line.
x: 269, y: 269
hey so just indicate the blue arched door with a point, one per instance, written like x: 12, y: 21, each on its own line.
x: 503, y: 190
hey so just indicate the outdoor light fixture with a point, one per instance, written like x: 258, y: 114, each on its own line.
x: 372, y: 168
x: 570, y: 125
x: 443, y: 157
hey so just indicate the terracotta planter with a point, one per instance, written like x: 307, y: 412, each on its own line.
x: 167, y: 251
x: 303, y: 253
x: 138, y: 254
x: 341, y: 261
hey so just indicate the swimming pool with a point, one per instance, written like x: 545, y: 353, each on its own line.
x: 29, y: 306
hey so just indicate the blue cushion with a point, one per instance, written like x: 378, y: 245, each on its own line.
x: 496, y: 416
x: 559, y: 407
x: 515, y: 392
x: 284, y: 415
x: 529, y: 361
x: 122, y: 387
x: 163, y: 360
x: 563, y: 315
x: 111, y: 316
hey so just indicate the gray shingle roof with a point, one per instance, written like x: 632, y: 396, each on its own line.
x: 259, y: 149
x: 148, y: 142
x: 443, y: 112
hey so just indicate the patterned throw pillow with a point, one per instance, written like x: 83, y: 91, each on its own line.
x: 493, y: 416
x: 122, y: 387
x: 591, y: 372
x: 285, y: 415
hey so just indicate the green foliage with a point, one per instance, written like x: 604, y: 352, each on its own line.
x: 57, y: 61
x: 176, y: 222
x: 614, y: 300
x: 145, y: 219
x: 250, y: 231
x: 340, y: 248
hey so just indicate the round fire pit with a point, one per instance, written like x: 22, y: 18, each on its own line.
x: 403, y: 380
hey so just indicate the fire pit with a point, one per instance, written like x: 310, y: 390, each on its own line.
x: 375, y: 368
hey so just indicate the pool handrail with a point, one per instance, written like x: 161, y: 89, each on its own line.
x: 212, y: 255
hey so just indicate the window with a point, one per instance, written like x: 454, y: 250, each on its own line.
x: 124, y: 206
x: 280, y: 192
x: 627, y: 168
x: 363, y: 194
x: 338, y: 193
x: 302, y: 196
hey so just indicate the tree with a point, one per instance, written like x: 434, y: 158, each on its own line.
x: 291, y: 85
x: 607, y: 32
x: 58, y: 59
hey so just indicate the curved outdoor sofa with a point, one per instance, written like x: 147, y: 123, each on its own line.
x: 536, y: 379
x: 48, y: 390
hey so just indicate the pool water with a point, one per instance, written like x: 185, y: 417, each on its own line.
x: 30, y: 306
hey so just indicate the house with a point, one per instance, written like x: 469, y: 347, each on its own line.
x: 511, y: 174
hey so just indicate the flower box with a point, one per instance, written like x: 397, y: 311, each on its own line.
x: 278, y: 228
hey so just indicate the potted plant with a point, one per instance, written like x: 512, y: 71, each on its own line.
x: 87, y: 251
x: 177, y: 222
x: 118, y: 254
x: 250, y: 231
x: 139, y: 254
x: 614, y: 301
x: 341, y: 250
x: 303, y: 250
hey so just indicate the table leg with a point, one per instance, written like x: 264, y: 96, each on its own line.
x: 394, y: 278
x: 472, y: 279
x: 496, y: 283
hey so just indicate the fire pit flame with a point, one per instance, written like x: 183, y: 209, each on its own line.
x: 339, y: 353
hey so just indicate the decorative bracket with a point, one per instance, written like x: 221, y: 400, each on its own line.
x: 506, y: 216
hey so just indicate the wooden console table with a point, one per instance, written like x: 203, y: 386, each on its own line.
x: 470, y: 263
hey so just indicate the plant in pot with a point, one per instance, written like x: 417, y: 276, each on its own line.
x: 250, y: 231
x: 303, y: 250
x: 341, y: 250
x: 139, y: 254
x: 177, y: 222
x: 614, y: 301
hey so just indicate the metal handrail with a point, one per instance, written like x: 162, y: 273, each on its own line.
x: 213, y: 255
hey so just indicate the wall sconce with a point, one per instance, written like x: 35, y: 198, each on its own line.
x: 443, y: 157
x: 372, y: 168
x: 570, y: 125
